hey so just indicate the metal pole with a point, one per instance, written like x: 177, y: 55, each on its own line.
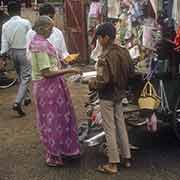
x: 95, y: 137
x: 35, y: 5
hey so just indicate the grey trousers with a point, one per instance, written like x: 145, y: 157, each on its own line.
x: 23, y: 70
x: 115, y: 130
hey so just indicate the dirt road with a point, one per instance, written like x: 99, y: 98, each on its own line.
x: 21, y: 155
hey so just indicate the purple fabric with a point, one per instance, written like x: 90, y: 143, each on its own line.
x: 55, y: 117
x: 40, y: 44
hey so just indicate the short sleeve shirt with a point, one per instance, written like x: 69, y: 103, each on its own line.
x: 41, y: 61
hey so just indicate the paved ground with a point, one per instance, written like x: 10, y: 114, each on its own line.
x: 21, y: 155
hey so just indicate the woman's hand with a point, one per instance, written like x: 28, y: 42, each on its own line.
x: 76, y: 71
x: 47, y: 73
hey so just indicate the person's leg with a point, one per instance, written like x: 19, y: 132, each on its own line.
x: 108, y: 124
x: 16, y: 64
x: 122, y: 135
x: 23, y: 69
x: 25, y: 76
x: 27, y: 99
x: 17, y: 104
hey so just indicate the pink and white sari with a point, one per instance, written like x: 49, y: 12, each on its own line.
x: 55, y: 114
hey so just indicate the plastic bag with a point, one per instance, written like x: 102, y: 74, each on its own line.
x: 152, y: 123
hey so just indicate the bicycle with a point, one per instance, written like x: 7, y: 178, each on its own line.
x: 5, y: 80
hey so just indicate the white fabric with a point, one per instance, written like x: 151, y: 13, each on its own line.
x: 95, y: 9
x: 56, y: 39
x: 176, y: 12
x: 149, y: 28
x: 90, y: 74
x: 96, y: 52
x: 113, y: 8
x: 134, y: 52
x: 14, y: 33
x: 35, y: 2
x: 154, y: 4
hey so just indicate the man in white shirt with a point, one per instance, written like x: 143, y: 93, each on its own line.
x: 56, y: 38
x: 14, y: 42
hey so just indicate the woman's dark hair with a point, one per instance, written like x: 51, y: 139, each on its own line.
x: 14, y: 8
x: 46, y: 9
x: 106, y: 29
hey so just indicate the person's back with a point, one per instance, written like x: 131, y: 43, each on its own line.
x: 14, y: 43
x: 15, y: 29
x: 116, y: 62
x: 17, y: 36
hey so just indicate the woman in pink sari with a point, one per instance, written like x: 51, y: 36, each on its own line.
x: 55, y: 114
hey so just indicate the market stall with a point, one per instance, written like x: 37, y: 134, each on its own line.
x: 147, y: 30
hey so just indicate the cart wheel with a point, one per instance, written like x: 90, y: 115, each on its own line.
x: 176, y: 119
x: 8, y: 83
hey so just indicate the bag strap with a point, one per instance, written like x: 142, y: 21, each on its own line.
x: 150, y: 92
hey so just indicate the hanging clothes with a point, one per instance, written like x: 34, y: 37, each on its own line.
x: 170, y: 7
x: 113, y: 8
x: 136, y: 10
x: 177, y: 38
x: 176, y: 12
x: 154, y: 4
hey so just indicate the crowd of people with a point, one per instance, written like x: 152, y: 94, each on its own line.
x: 28, y: 3
x: 38, y: 53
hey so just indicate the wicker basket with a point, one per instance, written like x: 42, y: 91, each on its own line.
x: 149, y: 98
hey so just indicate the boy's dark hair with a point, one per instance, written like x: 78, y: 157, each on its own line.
x: 106, y: 29
x: 46, y: 9
x: 14, y: 7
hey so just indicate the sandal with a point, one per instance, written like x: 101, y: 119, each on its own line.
x: 126, y: 163
x: 53, y: 163
x: 106, y: 169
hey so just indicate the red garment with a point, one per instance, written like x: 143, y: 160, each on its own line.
x: 177, y: 38
x: 28, y: 3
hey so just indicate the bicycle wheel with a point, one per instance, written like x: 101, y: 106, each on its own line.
x: 6, y: 82
x: 8, y: 85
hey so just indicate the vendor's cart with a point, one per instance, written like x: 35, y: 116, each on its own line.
x: 166, y: 80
